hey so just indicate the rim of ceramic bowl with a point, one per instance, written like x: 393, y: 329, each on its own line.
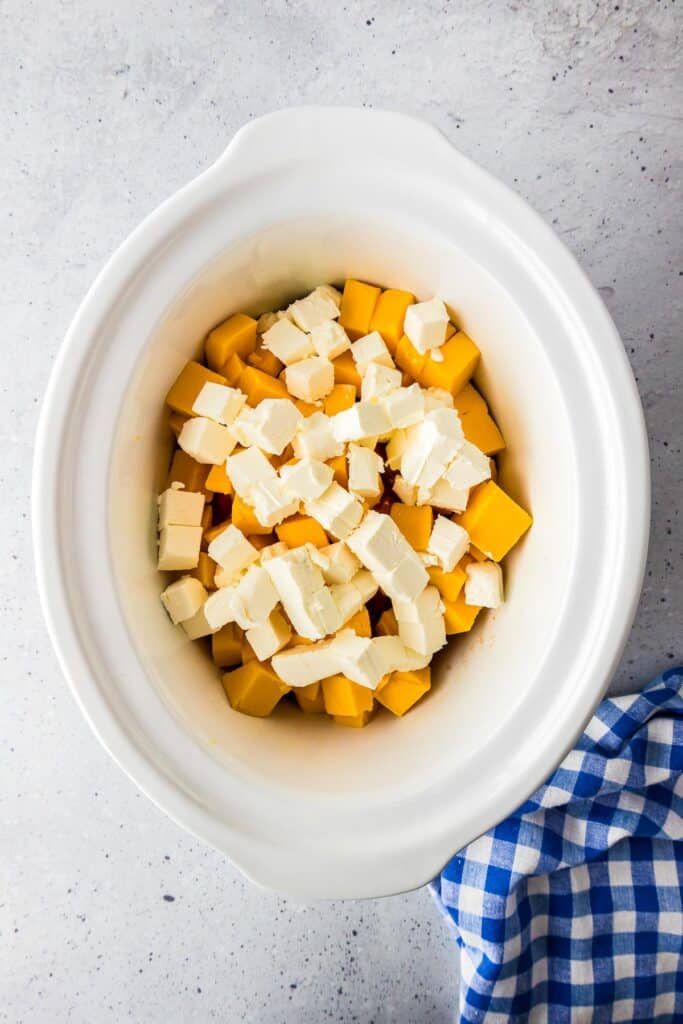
x: 250, y: 149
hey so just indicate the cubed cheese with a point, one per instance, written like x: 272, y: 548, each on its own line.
x: 246, y: 469
x: 432, y: 445
x: 329, y: 339
x: 287, y: 342
x: 341, y: 564
x: 362, y: 420
x: 365, y: 467
x: 435, y: 397
x: 207, y: 442
x: 315, y: 439
x: 223, y: 606
x: 270, y: 636
x: 443, y: 495
x: 178, y: 507
x: 396, y: 656
x: 297, y: 581
x: 266, y: 321
x: 179, y: 547
x: 425, y: 324
x: 314, y: 310
x: 218, y: 402
x: 272, y: 502
x: 469, y: 467
x: 273, y: 424
x: 337, y: 511
x: 448, y: 542
x: 306, y: 479
x: 310, y: 379
x: 484, y: 584
x: 307, y: 663
x: 404, y: 406
x: 197, y: 626
x: 370, y: 349
x: 404, y: 492
x: 382, y: 548
x: 257, y: 595
x: 421, y: 623
x: 396, y: 445
x: 183, y: 598
x: 232, y: 551
x: 378, y: 381
x: 273, y: 551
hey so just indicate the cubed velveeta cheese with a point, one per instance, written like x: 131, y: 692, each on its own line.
x: 265, y: 361
x: 389, y: 314
x: 469, y: 400
x: 205, y: 571
x: 458, y: 616
x: 342, y: 396
x: 218, y: 480
x: 342, y: 697
x: 254, y: 689
x: 226, y: 646
x: 387, y: 624
x: 235, y: 336
x: 460, y: 358
x: 346, y: 371
x: 187, y: 386
x: 359, y: 623
x: 399, y: 691
x: 233, y: 370
x: 415, y: 523
x: 493, y: 520
x: 449, y: 584
x: 357, y: 307
x: 310, y: 698
x: 340, y: 468
x: 244, y: 518
x: 185, y: 470
x: 298, y: 530
x: 481, y: 430
x: 354, y: 721
x: 305, y: 408
x: 258, y: 385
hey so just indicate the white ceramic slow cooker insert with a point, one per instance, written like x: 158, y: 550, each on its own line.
x: 301, y: 197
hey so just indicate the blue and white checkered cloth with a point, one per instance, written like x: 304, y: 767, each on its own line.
x: 572, y: 909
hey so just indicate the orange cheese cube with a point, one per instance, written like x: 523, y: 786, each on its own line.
x: 184, y: 470
x: 226, y: 646
x: 298, y: 530
x: 477, y: 555
x: 360, y: 623
x: 218, y: 480
x: 415, y: 523
x: 305, y: 408
x: 494, y: 469
x: 342, y: 697
x: 187, y: 386
x: 258, y: 385
x: 340, y: 468
x: 458, y: 616
x: 342, y: 396
x: 247, y: 652
x: 266, y: 361
x: 233, y: 370
x: 389, y: 315
x: 480, y: 428
x: 449, y: 584
x: 400, y: 690
x: 469, y: 400
x: 460, y: 358
x: 254, y: 689
x: 357, y: 306
x: 176, y: 422
x: 387, y: 624
x: 244, y: 518
x: 310, y: 698
x: 493, y: 520
x: 345, y: 370
x: 354, y: 721
x: 261, y: 541
x: 235, y: 336
x: 408, y: 358
x: 205, y: 571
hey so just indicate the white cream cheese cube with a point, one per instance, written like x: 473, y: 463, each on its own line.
x: 307, y: 663
x: 361, y: 420
x: 315, y: 439
x: 273, y: 424
x: 270, y: 636
x: 325, y: 611
x: 232, y: 551
x: 223, y: 606
x: 328, y: 291
x: 448, y: 542
x: 434, y: 397
x: 183, y: 598
x: 197, y: 626
x: 366, y: 585
x: 219, y: 402
x: 365, y: 467
x: 258, y: 596
x: 247, y: 468
x: 382, y: 548
x: 396, y: 445
x: 205, y: 441
x: 310, y: 379
x: 271, y: 502
x: 484, y: 584
x: 179, y: 547
x: 265, y: 322
x: 404, y: 491
x: 425, y: 324
x: 396, y: 657
x: 337, y: 511
x: 287, y: 342
x: 405, y: 406
x: 359, y: 658
x: 341, y: 563
x: 407, y: 579
x: 272, y: 551
x: 469, y: 467
x: 296, y: 580
x: 379, y: 381
x: 443, y: 495
x: 329, y: 339
x: 306, y: 479
x: 314, y: 310
x: 421, y: 624
x: 178, y: 507
x: 431, y: 446
x: 371, y: 348
x: 243, y: 426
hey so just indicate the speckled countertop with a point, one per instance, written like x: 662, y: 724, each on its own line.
x: 107, y: 910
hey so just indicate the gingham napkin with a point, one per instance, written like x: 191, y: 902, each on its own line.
x: 572, y: 909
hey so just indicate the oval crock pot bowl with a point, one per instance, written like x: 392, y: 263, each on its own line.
x: 300, y: 197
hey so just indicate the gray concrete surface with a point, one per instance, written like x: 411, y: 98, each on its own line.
x: 107, y: 911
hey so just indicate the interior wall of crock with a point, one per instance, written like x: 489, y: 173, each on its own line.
x: 483, y: 677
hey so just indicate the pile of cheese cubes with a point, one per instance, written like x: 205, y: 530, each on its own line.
x: 331, y: 513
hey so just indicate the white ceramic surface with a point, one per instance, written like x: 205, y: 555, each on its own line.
x: 297, y: 803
